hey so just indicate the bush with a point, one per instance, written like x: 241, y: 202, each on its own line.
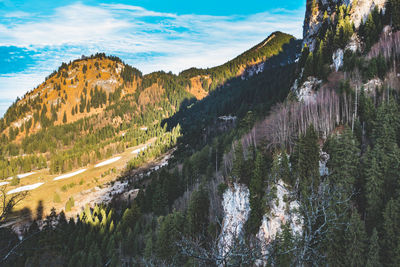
x: 222, y: 188
x: 14, y: 181
x: 65, y: 187
x: 70, y: 203
x: 56, y: 198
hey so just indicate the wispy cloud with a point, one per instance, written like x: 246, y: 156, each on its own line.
x: 146, y: 39
x: 17, y: 14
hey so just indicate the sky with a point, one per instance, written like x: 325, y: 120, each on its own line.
x: 36, y: 36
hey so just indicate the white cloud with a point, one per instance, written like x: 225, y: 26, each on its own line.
x: 139, y: 11
x: 17, y: 14
x: 73, y: 24
x: 117, y: 23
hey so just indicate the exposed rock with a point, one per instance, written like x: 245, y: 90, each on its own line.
x: 337, y: 58
x: 236, y: 205
x: 252, y: 70
x: 354, y: 43
x: 306, y: 91
x: 107, y: 85
x: 19, y: 123
x: 362, y: 8
x: 324, y: 157
x: 372, y: 84
x: 281, y: 213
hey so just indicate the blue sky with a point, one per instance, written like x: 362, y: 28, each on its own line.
x: 171, y: 35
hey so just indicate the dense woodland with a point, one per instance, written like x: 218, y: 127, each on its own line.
x: 351, y: 214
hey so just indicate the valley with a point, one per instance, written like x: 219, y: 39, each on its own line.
x: 54, y: 191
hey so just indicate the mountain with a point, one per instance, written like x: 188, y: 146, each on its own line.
x: 89, y: 85
x: 103, y: 96
x: 288, y: 155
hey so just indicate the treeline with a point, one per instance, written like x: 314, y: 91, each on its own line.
x: 22, y: 164
x: 103, y: 144
x: 165, y: 140
x: 270, y: 47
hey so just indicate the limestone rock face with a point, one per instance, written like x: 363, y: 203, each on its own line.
x: 314, y: 18
x: 360, y: 9
x: 236, y: 205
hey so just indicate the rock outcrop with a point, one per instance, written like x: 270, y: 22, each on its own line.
x: 236, y: 205
x: 316, y: 10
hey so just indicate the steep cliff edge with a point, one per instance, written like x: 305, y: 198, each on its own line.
x: 317, y: 11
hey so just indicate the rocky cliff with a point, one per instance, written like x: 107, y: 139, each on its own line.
x: 319, y: 10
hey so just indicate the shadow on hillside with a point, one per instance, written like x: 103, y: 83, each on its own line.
x: 237, y: 96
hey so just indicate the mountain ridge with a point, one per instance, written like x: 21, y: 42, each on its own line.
x: 65, y: 90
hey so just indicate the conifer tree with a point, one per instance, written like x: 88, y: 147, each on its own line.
x: 373, y: 250
x: 256, y: 189
x: 367, y: 112
x: 391, y: 233
x: 374, y: 192
x: 197, y: 213
x: 284, y: 246
x: 241, y: 168
x: 343, y: 162
x: 65, y: 117
x: 309, y: 66
x: 355, y: 241
x: 169, y: 234
x: 394, y: 11
x: 307, y: 167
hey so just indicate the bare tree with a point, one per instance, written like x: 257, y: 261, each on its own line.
x: 239, y: 252
x: 290, y: 120
x: 322, y: 211
x: 8, y: 202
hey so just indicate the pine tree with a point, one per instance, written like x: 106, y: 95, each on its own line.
x: 169, y: 234
x: 197, y: 213
x: 367, y: 112
x: 65, y: 117
x: 355, y: 241
x: 242, y: 168
x: 343, y: 162
x: 256, y: 195
x: 284, y: 246
x: 309, y: 66
x: 307, y: 167
x: 374, y: 192
x: 394, y: 11
x: 373, y: 250
x: 391, y: 233
x: 370, y: 28
x: 386, y: 150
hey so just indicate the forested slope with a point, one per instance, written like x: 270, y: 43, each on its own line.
x: 294, y: 164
